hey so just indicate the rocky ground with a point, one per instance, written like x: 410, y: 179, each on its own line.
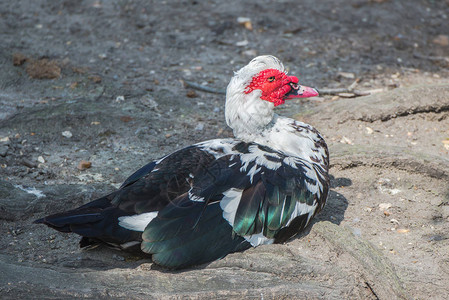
x: 102, y: 82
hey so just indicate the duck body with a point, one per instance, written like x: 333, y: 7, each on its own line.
x: 220, y: 196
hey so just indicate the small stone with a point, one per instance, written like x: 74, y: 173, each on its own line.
x: 41, y: 159
x: 149, y: 102
x: 402, y: 230
x: 18, y: 59
x: 95, y: 78
x: 384, y: 206
x: 126, y: 119
x: 191, y: 94
x: 118, y: 257
x: 345, y: 140
x: 369, y: 130
x: 442, y: 40
x: 250, y: 52
x: 83, y: 165
x: 374, y: 91
x: 120, y: 98
x: 346, y: 95
x: 446, y: 144
x: 346, y: 75
x: 3, y: 150
x: 199, y: 127
x: 242, y: 43
x: 394, y: 221
x: 246, y: 22
x: 387, y: 213
x: 4, y: 139
x: 67, y: 134
x: 95, y: 123
x: 28, y: 163
x: 43, y: 69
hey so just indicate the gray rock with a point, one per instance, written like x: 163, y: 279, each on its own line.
x: 3, y: 150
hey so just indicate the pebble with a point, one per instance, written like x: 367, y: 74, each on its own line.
x: 442, y: 40
x: 118, y: 257
x: 3, y: 150
x: 346, y: 75
x: 199, y: 127
x: 41, y: 159
x: 446, y: 144
x: 384, y: 206
x: 250, y: 52
x: 149, y: 102
x: 242, y: 43
x: 345, y: 140
x: 67, y: 134
x: 369, y: 130
x: 346, y: 95
x: 191, y: 94
x: 28, y: 163
x: 126, y: 119
x: 95, y: 78
x: 83, y: 165
x: 246, y: 22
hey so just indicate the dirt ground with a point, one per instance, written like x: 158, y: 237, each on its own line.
x: 102, y: 82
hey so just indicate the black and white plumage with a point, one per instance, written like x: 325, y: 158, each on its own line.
x: 202, y: 202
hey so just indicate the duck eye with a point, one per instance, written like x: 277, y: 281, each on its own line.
x: 271, y: 79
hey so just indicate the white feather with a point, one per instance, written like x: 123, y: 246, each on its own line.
x: 137, y: 222
x: 303, y: 209
x: 258, y: 239
x: 229, y: 204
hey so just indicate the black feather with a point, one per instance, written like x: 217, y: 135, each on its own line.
x: 176, y: 238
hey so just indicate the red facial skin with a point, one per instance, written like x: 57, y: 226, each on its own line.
x: 273, y: 83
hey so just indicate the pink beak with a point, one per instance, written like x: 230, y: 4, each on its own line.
x: 300, y: 91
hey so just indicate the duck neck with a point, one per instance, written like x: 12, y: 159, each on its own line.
x: 248, y: 115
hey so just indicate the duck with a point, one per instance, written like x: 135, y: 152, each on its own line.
x: 219, y: 196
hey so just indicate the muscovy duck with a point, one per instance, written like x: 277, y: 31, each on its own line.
x: 205, y: 201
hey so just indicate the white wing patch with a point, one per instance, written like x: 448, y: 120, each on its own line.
x: 137, y: 222
x: 258, y: 239
x: 258, y: 156
x: 229, y: 204
x: 303, y: 209
x: 218, y: 147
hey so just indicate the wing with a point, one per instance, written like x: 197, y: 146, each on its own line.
x: 252, y: 196
x: 158, y: 183
x: 145, y: 170
x: 120, y: 217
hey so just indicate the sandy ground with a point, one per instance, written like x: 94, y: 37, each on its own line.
x: 102, y: 82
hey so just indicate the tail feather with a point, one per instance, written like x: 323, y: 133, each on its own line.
x: 70, y: 217
x: 97, y: 219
